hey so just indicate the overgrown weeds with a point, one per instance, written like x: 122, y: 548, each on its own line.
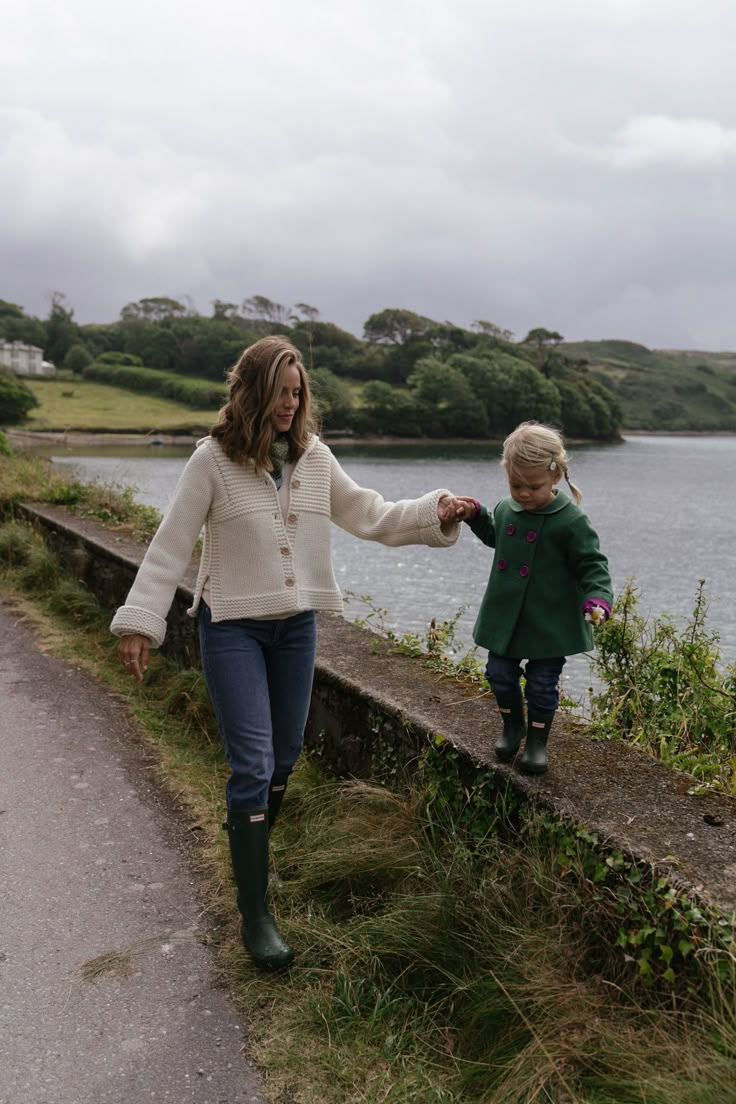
x: 438, y: 646
x: 452, y: 968
x: 665, y: 689
x: 27, y: 478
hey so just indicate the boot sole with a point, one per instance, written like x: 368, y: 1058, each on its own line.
x: 527, y: 769
x: 270, y: 965
x: 505, y: 756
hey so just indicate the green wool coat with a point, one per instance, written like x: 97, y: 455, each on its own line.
x: 547, y: 563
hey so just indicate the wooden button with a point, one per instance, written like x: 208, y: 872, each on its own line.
x: 289, y: 582
x: 292, y: 519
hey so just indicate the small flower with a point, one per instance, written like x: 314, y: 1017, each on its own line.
x: 596, y: 615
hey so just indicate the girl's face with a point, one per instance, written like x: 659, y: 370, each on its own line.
x: 287, y: 403
x: 532, y: 487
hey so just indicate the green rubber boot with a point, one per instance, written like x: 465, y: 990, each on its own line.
x: 248, y: 835
x: 276, y: 792
x: 512, y: 715
x: 534, y: 759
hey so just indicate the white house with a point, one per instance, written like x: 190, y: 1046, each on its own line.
x: 25, y: 360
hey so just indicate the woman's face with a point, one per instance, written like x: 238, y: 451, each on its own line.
x: 287, y: 402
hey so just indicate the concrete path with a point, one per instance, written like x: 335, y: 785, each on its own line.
x: 91, y: 865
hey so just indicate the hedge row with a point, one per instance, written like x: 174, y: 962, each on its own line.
x: 199, y: 394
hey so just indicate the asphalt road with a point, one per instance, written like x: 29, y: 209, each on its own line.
x: 107, y: 996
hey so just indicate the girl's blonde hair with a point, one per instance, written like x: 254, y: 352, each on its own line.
x: 533, y: 445
x: 244, y: 427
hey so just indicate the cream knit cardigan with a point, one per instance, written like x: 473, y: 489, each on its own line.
x: 258, y: 563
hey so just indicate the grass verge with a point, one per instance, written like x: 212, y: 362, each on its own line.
x: 438, y: 961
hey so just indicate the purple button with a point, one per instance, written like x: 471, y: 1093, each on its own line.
x: 531, y: 536
x: 501, y: 565
x: 523, y: 571
x: 511, y: 528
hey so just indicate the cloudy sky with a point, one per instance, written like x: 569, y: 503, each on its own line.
x: 559, y: 163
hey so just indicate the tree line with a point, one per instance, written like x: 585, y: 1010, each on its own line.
x: 408, y: 375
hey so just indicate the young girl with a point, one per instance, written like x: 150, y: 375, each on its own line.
x: 549, y: 581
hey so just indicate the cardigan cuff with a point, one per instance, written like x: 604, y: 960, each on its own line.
x: 430, y: 526
x: 133, y: 619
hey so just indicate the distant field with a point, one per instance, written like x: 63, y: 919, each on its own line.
x: 84, y: 405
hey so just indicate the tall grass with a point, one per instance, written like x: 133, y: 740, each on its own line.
x: 28, y: 478
x: 433, y: 966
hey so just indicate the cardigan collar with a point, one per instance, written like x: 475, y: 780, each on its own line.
x: 559, y: 502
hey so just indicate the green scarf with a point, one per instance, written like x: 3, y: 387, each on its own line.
x: 278, y: 454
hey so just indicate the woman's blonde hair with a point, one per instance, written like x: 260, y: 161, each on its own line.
x: 533, y: 445
x: 244, y: 427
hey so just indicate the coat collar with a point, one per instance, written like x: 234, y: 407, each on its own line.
x: 559, y: 502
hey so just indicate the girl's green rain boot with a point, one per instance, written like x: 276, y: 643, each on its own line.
x: 534, y: 758
x: 512, y: 715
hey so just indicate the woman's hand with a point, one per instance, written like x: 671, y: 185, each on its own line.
x: 133, y: 652
x: 446, y: 509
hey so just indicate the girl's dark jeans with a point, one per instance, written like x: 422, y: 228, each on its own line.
x: 542, y: 680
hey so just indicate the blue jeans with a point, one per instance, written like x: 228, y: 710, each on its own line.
x: 542, y: 680
x: 259, y: 676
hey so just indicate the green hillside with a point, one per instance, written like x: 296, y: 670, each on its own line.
x: 664, y: 389
x: 80, y: 404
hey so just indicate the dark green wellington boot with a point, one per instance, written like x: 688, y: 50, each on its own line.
x: 512, y: 715
x: 534, y: 758
x: 276, y: 792
x: 247, y: 831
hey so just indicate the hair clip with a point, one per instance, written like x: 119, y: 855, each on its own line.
x: 553, y: 465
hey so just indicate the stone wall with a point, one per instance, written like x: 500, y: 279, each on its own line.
x: 365, y: 698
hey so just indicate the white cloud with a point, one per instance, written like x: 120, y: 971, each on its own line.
x: 663, y: 140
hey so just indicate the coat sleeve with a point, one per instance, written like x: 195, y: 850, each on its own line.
x: 168, y: 554
x: 484, y: 527
x: 589, y: 564
x: 365, y: 514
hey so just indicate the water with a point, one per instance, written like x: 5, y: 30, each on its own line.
x: 664, y: 507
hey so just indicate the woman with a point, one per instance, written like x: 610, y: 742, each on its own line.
x: 265, y: 488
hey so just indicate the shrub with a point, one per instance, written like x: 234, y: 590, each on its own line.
x: 665, y: 690
x: 16, y: 398
x: 77, y: 359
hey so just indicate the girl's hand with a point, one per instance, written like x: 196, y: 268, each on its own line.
x: 465, y: 508
x: 596, y: 611
x: 133, y: 653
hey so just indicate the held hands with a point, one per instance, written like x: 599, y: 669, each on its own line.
x: 446, y: 509
x: 133, y: 653
x: 455, y: 508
